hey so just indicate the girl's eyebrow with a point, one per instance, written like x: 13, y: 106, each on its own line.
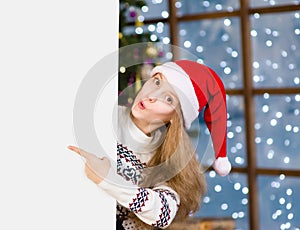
x: 160, y: 76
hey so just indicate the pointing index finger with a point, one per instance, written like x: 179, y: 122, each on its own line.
x: 81, y: 152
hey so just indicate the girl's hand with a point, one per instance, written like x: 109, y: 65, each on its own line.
x: 96, y: 168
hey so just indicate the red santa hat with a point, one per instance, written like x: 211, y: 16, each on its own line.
x: 198, y: 87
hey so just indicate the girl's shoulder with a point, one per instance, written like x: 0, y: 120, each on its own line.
x: 123, y: 109
x: 123, y: 112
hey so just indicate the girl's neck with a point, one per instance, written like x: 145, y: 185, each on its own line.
x: 145, y: 127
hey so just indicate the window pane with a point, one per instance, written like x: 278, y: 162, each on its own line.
x: 276, y: 50
x: 279, y: 202
x: 236, y: 144
x: 278, y: 131
x: 258, y: 3
x: 185, y: 7
x: 226, y: 197
x: 217, y: 44
x: 156, y: 9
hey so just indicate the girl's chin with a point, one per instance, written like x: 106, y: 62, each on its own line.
x: 136, y: 113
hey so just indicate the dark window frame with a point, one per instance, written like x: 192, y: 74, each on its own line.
x: 248, y: 92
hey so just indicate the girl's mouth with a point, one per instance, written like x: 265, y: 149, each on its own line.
x: 141, y: 105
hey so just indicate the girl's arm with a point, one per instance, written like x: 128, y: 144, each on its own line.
x: 156, y: 207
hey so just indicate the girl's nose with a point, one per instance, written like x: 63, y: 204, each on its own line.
x: 152, y: 99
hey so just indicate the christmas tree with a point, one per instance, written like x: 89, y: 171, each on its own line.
x: 129, y: 23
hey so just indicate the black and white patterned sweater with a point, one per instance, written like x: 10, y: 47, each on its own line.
x: 156, y: 206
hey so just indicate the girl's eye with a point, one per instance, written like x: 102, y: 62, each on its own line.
x: 169, y: 99
x: 157, y: 81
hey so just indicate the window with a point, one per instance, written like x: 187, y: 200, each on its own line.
x: 254, y: 46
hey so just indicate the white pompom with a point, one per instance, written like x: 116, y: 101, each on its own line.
x: 222, y: 166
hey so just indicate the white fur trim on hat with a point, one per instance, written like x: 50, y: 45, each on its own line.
x: 222, y: 166
x: 183, y: 86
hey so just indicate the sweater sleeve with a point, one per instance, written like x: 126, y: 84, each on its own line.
x: 156, y: 206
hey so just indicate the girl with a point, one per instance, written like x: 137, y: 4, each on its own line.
x: 158, y: 178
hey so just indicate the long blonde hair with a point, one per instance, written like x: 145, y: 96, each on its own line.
x: 188, y: 179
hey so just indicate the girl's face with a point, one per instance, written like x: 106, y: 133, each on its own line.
x: 156, y: 101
